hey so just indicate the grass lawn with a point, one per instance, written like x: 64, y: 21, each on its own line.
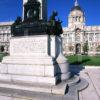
x: 77, y: 59
x: 2, y: 55
x: 84, y: 60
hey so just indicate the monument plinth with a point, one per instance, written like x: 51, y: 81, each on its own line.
x: 32, y: 60
x: 36, y: 62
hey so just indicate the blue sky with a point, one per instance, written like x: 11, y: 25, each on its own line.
x: 10, y: 9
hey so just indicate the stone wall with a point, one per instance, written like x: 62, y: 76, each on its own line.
x: 88, y: 33
x: 5, y: 35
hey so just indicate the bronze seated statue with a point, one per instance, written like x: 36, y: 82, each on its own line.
x: 33, y: 25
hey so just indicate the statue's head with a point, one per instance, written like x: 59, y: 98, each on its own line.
x: 55, y: 13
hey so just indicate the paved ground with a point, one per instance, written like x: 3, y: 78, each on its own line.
x: 92, y: 75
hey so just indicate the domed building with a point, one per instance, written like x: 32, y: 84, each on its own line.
x: 79, y: 38
x: 76, y: 16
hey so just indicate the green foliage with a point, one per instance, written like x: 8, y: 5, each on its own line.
x: 2, y: 55
x: 85, y: 47
x: 98, y: 49
x: 84, y: 60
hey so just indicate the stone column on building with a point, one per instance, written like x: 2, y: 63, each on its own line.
x: 94, y: 43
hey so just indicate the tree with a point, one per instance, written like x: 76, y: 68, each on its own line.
x: 98, y: 49
x: 85, y: 47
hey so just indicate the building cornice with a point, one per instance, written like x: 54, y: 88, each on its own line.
x: 6, y: 23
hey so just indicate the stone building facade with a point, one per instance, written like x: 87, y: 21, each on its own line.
x: 5, y: 35
x: 78, y: 36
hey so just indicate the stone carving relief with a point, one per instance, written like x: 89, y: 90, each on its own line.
x: 29, y: 46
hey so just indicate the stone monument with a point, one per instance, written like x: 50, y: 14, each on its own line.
x: 36, y: 62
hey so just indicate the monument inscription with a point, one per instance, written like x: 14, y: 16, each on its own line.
x: 29, y: 46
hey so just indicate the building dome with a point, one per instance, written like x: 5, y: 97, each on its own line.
x: 76, y: 8
x: 76, y: 16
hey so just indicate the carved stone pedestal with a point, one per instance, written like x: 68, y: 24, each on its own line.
x: 36, y: 65
x: 33, y: 60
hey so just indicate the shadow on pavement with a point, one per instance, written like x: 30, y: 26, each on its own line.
x: 75, y: 69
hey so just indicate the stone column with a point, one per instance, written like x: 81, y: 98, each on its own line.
x: 94, y: 43
x: 43, y: 9
x: 24, y: 1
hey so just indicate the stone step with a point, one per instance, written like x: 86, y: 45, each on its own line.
x: 28, y: 78
x: 36, y: 87
x: 12, y: 94
x: 60, y: 88
x: 32, y: 60
x: 58, y: 92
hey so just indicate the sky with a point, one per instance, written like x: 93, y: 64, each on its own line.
x: 10, y: 9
